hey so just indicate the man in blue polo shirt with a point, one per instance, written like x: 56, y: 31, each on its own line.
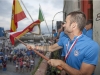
x: 81, y: 51
x: 89, y: 27
x: 62, y: 37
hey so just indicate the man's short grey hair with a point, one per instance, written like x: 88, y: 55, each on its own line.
x: 78, y: 17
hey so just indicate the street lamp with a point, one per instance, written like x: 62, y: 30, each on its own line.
x: 53, y: 20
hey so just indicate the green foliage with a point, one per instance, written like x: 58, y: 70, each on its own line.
x: 53, y: 70
x: 55, y: 55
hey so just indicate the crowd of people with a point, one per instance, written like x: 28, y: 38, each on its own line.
x: 22, y: 59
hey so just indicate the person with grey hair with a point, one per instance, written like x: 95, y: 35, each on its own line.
x: 81, y: 52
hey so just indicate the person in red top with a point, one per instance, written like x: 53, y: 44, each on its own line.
x: 21, y: 66
x: 4, y: 65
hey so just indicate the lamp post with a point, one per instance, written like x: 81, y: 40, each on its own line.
x: 53, y: 20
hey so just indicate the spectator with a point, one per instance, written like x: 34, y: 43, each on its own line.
x: 89, y: 28
x: 55, y: 35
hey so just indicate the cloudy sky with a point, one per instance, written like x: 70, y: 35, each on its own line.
x: 49, y: 9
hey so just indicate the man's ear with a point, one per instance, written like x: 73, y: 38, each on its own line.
x: 74, y: 24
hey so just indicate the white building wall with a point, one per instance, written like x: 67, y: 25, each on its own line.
x: 96, y: 21
x: 70, y: 5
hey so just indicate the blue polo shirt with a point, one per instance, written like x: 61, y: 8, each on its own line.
x: 85, y: 50
x: 89, y: 33
x: 62, y: 42
x: 55, y: 34
x: 84, y: 31
x: 62, y: 34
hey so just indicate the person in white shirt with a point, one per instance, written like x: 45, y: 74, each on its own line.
x: 31, y: 64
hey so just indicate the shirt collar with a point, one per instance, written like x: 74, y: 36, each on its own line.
x: 71, y: 41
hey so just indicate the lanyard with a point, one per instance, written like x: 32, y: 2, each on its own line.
x: 71, y: 47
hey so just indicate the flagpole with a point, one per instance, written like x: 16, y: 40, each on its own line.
x: 46, y: 25
x: 44, y: 57
x: 45, y: 21
x: 27, y: 10
x: 32, y: 19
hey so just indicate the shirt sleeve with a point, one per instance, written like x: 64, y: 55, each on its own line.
x: 89, y: 34
x: 60, y: 42
x: 91, y: 55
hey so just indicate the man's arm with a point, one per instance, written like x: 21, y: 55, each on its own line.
x: 50, y: 48
x: 86, y: 69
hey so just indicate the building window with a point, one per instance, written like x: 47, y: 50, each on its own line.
x: 90, y: 13
x: 90, y: 1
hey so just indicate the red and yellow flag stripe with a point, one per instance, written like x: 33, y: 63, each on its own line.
x: 21, y: 33
x: 17, y: 15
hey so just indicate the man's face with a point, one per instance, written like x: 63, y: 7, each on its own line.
x: 67, y: 26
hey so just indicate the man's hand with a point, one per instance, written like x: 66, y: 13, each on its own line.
x: 55, y: 62
x: 50, y: 42
x: 30, y: 47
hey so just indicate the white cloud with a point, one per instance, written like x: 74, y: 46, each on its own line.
x: 49, y: 8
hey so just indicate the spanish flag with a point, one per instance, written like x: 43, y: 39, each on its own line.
x: 17, y: 15
x: 23, y: 32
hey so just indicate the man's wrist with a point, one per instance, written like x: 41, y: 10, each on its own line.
x: 61, y: 63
